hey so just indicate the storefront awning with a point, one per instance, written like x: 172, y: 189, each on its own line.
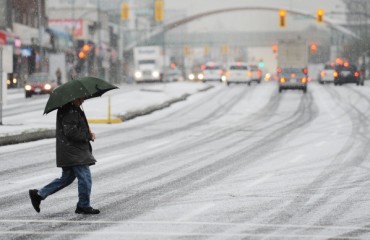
x: 60, y: 41
x: 7, y: 38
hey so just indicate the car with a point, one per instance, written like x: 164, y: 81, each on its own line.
x: 39, y: 83
x: 172, y: 75
x: 196, y: 73
x: 292, y: 78
x: 327, y: 74
x: 347, y: 73
x: 12, y: 81
x: 255, y: 73
x: 237, y: 72
x: 212, y: 72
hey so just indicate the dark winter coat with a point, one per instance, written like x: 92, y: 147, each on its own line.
x: 73, y: 137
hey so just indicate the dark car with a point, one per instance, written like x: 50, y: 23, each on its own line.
x: 12, y: 81
x: 39, y: 83
x: 347, y: 74
x: 292, y: 78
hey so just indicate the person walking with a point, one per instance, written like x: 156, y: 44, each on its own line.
x: 58, y: 73
x: 73, y: 155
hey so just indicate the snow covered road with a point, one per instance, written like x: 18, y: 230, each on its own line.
x: 237, y: 162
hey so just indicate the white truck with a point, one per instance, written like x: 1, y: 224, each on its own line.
x: 292, y: 63
x: 148, y: 63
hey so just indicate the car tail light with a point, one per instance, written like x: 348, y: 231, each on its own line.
x: 249, y: 74
x: 259, y: 73
x: 335, y: 74
x: 357, y: 74
x: 279, y: 70
x: 305, y: 71
x: 304, y: 80
x: 293, y: 75
x: 322, y: 74
x: 221, y: 72
x: 282, y: 80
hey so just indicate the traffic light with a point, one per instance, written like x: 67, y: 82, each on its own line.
x: 83, y: 55
x: 84, y: 51
x: 320, y: 15
x: 282, y: 15
x: 225, y: 49
x: 158, y: 10
x: 186, y: 50
x: 125, y: 11
x: 313, y: 48
x: 261, y: 64
x: 206, y: 50
x: 274, y: 48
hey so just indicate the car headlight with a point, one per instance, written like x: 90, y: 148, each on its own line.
x: 47, y: 86
x: 223, y: 78
x: 200, y: 76
x: 191, y: 76
x: 138, y: 74
x: 8, y: 82
x: 14, y: 80
x: 155, y: 74
x: 28, y: 87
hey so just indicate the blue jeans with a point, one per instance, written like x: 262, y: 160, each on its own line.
x: 69, y: 174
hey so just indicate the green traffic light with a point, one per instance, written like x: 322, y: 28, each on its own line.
x: 261, y: 64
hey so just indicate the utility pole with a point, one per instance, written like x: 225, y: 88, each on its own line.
x: 40, y: 32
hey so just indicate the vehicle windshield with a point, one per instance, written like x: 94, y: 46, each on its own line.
x: 254, y: 68
x: 329, y: 67
x: 141, y: 62
x: 38, y: 78
x: 346, y: 68
x: 212, y: 67
x: 292, y: 72
x: 241, y: 67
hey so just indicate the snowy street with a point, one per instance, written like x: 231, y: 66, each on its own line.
x: 232, y: 162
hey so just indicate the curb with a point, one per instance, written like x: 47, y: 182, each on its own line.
x: 27, y: 136
x: 38, y: 134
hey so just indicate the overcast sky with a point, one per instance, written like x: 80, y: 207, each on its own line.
x: 251, y: 20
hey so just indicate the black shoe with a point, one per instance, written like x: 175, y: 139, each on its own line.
x: 87, y: 210
x: 35, y: 199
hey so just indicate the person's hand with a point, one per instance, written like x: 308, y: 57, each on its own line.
x: 92, y: 135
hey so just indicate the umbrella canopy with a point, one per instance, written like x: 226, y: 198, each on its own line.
x: 87, y: 87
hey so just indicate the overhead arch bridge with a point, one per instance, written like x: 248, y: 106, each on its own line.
x: 167, y: 27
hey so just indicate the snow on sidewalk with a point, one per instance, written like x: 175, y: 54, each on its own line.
x: 122, y: 101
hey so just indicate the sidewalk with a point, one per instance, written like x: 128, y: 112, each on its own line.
x: 124, y: 104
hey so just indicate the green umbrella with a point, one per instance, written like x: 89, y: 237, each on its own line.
x: 87, y: 87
